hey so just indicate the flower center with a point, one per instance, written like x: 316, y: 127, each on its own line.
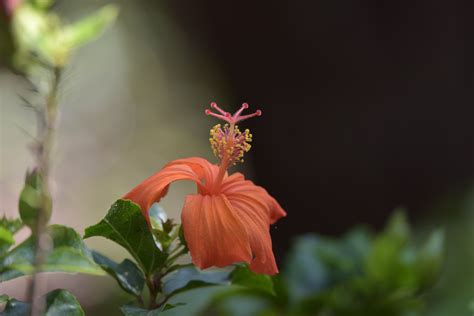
x: 228, y: 143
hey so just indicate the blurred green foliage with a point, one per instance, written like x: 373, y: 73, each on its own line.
x: 454, y: 294
x: 58, y: 302
x: 8, y: 228
x: 33, y: 36
x: 66, y: 253
x: 361, y: 274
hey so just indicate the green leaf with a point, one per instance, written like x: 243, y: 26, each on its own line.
x: 43, y: 4
x: 128, y: 275
x: 471, y: 307
x: 129, y: 310
x: 15, y: 308
x: 68, y: 253
x: 242, y: 302
x: 182, y: 240
x: 90, y: 27
x: 305, y: 274
x: 161, y: 226
x: 317, y: 263
x: 8, y: 228
x: 169, y: 306
x: 397, y: 226
x: 189, y: 277
x: 125, y: 225
x: 33, y: 200
x: 4, y: 298
x: 392, y: 260
x: 430, y: 258
x: 6, y: 240
x: 196, y: 300
x: 242, y: 275
x: 12, y: 225
x: 58, y: 302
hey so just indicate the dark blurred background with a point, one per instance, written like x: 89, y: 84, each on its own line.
x: 368, y: 105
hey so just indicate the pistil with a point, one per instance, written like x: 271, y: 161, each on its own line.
x: 228, y: 143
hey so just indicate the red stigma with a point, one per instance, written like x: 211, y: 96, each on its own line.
x: 232, y: 119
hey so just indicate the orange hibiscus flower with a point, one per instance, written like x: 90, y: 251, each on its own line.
x: 228, y: 220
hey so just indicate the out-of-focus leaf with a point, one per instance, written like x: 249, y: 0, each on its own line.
x: 128, y: 275
x: 315, y: 263
x: 42, y: 4
x: 391, y: 262
x: 240, y: 303
x: 4, y: 298
x: 41, y: 39
x: 242, y: 275
x: 161, y: 225
x: 430, y: 258
x: 189, y: 277
x: 304, y: 273
x: 125, y: 225
x: 357, y: 243
x: 182, y: 240
x: 397, y: 226
x: 169, y: 306
x: 6, y: 240
x: 68, y: 253
x: 12, y: 225
x: 471, y: 306
x: 8, y: 228
x: 89, y: 28
x: 238, y: 284
x: 15, y: 308
x: 33, y: 200
x: 58, y: 302
x: 196, y: 300
x: 129, y: 310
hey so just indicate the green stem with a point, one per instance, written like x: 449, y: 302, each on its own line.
x: 171, y: 259
x: 154, y: 283
x: 154, y: 290
x: 141, y: 301
x: 47, y: 118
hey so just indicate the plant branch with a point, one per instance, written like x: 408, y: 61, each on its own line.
x: 47, y: 117
x: 175, y: 256
x: 153, y: 293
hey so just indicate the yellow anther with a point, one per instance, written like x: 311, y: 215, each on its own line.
x: 229, y: 143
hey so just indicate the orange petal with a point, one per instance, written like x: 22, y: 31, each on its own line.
x: 255, y: 220
x: 155, y: 187
x: 215, y: 235
x: 203, y: 168
x: 236, y: 184
x: 257, y: 210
